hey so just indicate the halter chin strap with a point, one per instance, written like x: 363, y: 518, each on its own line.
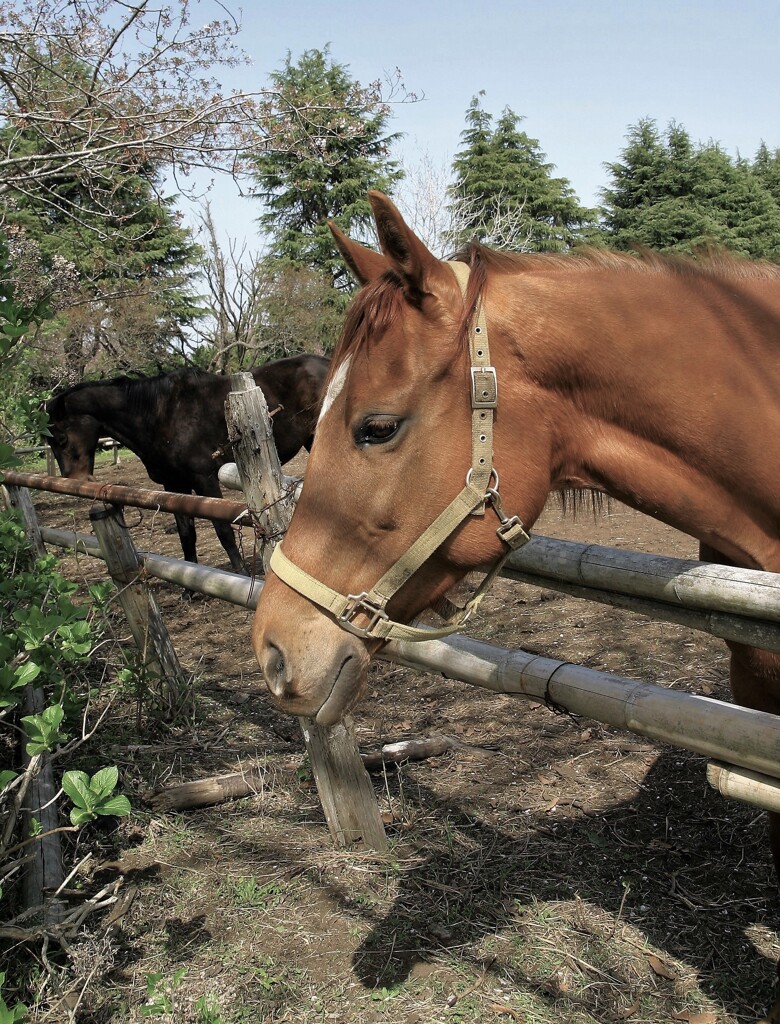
x: 472, y: 500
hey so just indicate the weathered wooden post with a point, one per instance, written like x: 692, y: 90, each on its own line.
x: 138, y: 603
x: 44, y: 872
x: 343, y: 783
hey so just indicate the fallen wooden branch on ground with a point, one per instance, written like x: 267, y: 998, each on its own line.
x: 415, y: 750
x: 206, y: 792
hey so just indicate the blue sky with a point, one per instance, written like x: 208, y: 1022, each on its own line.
x: 578, y: 72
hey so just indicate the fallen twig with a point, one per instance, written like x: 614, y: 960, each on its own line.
x: 416, y: 750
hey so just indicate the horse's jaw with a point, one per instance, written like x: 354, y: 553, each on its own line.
x: 311, y: 666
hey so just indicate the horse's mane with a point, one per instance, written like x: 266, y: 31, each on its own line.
x: 709, y: 261
x: 379, y: 304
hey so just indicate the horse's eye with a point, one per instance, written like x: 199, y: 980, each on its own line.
x: 377, y: 429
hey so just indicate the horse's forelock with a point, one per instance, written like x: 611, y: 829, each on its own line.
x: 379, y: 305
x: 372, y: 312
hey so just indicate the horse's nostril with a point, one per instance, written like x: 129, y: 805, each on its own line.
x: 274, y: 669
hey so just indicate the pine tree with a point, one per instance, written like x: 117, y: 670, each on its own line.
x: 309, y: 177
x: 135, y: 264
x: 669, y: 194
x: 766, y: 168
x: 504, y: 193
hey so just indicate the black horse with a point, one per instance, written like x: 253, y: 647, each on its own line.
x: 175, y: 424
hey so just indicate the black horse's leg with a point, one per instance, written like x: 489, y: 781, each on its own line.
x: 209, y: 487
x: 186, y: 528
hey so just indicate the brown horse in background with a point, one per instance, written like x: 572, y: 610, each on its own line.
x: 655, y: 380
x: 175, y: 424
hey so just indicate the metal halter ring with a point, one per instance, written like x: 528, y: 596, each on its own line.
x: 493, y: 473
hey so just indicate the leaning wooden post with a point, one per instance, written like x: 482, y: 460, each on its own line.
x: 343, y: 783
x: 138, y: 603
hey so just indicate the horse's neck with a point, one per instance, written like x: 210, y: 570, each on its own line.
x: 672, y: 409
x: 108, y: 404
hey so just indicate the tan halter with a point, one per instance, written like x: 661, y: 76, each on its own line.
x: 470, y: 501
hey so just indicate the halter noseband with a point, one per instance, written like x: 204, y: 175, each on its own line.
x: 476, y: 494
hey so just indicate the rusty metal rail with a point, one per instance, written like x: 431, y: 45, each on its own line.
x: 136, y: 497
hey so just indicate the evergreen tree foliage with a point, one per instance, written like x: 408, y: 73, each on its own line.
x: 134, y: 261
x: 669, y: 194
x: 305, y: 180
x: 135, y: 264
x: 766, y: 167
x: 504, y: 192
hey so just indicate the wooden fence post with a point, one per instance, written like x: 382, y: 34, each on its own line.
x: 138, y: 603
x: 345, y: 789
x: 44, y: 874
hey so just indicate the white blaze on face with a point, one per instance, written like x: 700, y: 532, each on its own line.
x: 337, y: 382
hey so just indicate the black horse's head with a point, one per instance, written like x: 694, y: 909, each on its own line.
x: 73, y: 437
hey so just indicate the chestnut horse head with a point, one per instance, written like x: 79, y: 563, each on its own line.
x: 393, y: 449
x: 648, y: 379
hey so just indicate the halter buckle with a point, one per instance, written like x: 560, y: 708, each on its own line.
x: 361, y: 605
x: 484, y: 387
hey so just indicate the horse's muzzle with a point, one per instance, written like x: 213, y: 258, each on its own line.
x: 311, y: 666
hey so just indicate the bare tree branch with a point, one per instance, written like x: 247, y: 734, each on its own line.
x: 92, y: 87
x: 444, y: 218
x: 500, y: 222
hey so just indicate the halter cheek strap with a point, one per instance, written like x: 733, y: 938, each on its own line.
x: 472, y: 500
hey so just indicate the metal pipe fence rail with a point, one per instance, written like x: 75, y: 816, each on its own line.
x: 737, y: 736
x: 734, y: 736
x: 103, y: 442
x: 136, y: 497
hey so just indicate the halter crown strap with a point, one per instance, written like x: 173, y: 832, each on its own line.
x: 470, y: 501
x: 484, y: 389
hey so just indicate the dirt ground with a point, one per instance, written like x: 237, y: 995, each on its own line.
x: 552, y: 869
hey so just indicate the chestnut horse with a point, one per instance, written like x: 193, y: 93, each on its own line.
x: 653, y: 379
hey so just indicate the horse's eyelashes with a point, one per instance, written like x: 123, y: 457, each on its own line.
x: 377, y: 429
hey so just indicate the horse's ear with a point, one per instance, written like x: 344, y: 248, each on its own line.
x: 410, y: 257
x: 364, y: 263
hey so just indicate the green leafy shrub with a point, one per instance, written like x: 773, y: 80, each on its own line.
x: 94, y: 796
x: 48, y: 638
